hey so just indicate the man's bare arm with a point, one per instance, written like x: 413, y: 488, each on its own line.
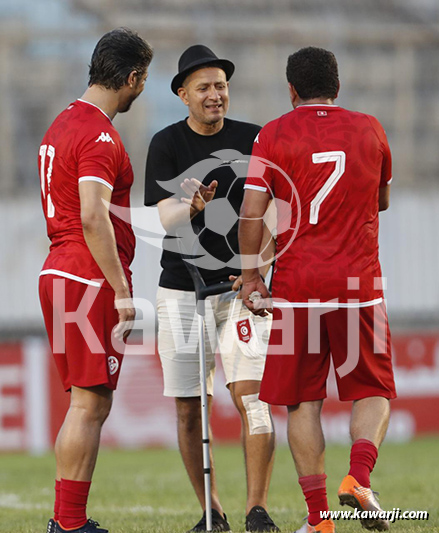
x: 268, y: 244
x: 101, y: 241
x: 250, y: 235
x: 384, y: 198
x: 268, y: 247
x: 175, y: 213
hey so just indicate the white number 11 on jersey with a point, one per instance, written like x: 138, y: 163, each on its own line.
x: 49, y: 151
x: 340, y: 164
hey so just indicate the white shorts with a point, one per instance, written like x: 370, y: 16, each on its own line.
x: 241, y: 337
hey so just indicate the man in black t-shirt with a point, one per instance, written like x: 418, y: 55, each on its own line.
x: 186, y: 170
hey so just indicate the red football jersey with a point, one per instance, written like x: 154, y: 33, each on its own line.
x: 334, y: 161
x: 82, y: 145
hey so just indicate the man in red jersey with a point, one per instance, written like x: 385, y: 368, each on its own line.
x: 85, y: 284
x: 327, y: 286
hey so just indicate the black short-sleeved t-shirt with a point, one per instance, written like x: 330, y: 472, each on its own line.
x: 172, y: 152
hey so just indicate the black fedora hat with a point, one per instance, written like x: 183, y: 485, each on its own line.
x: 194, y: 58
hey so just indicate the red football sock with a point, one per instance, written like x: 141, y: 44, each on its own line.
x: 57, y: 499
x: 72, y: 509
x: 363, y: 458
x: 314, y: 490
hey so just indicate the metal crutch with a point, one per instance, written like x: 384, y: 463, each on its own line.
x: 201, y: 293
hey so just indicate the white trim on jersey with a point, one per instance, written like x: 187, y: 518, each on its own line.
x: 97, y: 107
x: 63, y: 274
x: 98, y: 180
x: 255, y: 187
x: 317, y: 105
x: 330, y: 304
x: 390, y: 181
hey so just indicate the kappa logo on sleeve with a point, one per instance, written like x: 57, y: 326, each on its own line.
x: 104, y: 137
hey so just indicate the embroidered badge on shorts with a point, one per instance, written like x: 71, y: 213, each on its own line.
x: 113, y: 365
x: 244, y: 331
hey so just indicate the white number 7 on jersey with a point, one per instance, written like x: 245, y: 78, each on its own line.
x: 340, y: 164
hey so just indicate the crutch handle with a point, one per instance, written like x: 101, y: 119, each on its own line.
x: 216, y: 288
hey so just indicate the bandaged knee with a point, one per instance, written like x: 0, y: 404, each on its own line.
x: 258, y: 415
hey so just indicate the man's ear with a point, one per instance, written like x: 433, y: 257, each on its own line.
x: 182, y: 93
x: 290, y: 89
x: 338, y: 90
x: 293, y: 94
x: 132, y: 78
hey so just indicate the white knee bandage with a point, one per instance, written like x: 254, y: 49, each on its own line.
x: 258, y: 415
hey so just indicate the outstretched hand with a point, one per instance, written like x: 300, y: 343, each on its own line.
x: 199, y: 194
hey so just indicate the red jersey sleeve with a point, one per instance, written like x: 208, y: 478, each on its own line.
x: 386, y: 168
x: 260, y: 174
x: 99, y: 157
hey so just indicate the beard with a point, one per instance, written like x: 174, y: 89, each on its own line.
x: 127, y: 105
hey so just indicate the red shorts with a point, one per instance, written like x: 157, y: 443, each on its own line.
x: 79, y: 319
x: 301, y: 342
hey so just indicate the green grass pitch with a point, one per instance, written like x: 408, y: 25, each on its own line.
x: 148, y: 490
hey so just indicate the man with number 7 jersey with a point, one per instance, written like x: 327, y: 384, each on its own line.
x: 327, y: 286
x: 85, y: 284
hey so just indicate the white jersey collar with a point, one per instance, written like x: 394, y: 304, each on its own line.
x: 97, y: 107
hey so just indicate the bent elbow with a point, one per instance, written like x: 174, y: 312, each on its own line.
x: 91, y: 221
x: 384, y: 205
x: 167, y: 224
x: 247, y: 213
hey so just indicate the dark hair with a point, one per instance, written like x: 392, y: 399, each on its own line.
x: 313, y: 72
x: 116, y: 55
